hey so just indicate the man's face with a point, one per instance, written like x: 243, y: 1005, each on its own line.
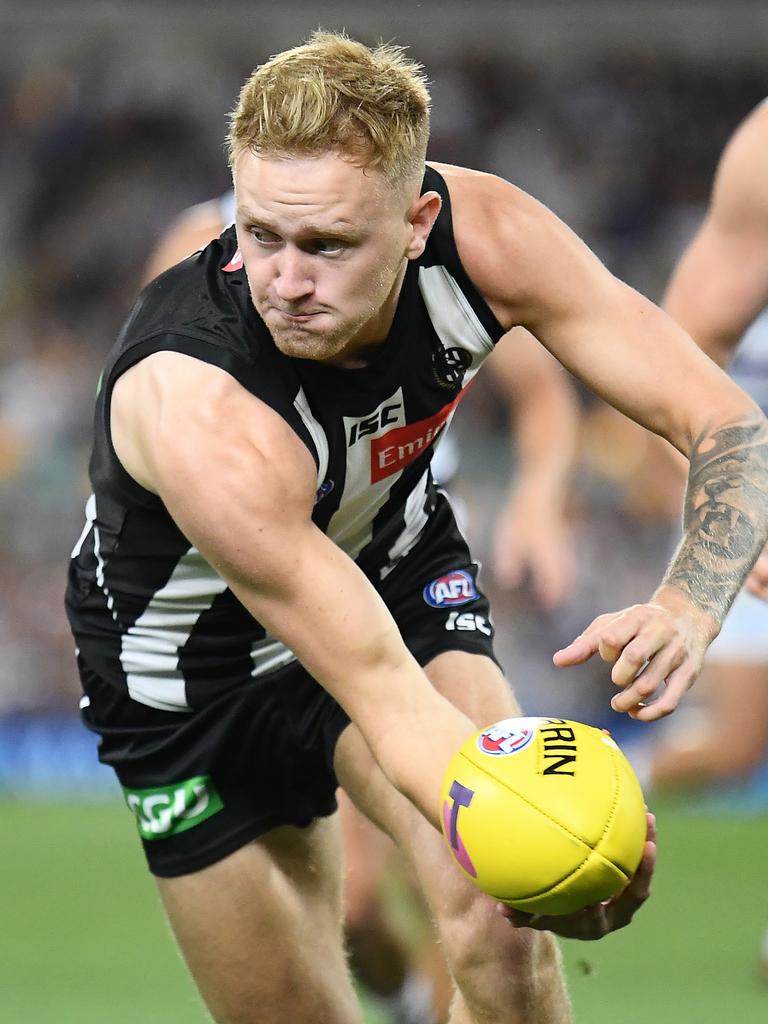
x: 324, y: 245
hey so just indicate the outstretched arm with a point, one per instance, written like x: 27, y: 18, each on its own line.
x: 724, y: 530
x: 537, y: 273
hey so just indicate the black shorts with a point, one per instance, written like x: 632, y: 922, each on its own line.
x: 205, y: 782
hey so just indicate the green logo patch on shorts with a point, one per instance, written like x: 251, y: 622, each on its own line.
x: 168, y: 810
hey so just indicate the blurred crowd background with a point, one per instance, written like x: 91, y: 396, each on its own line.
x: 112, y: 121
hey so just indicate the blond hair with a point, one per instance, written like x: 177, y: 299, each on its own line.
x: 335, y: 94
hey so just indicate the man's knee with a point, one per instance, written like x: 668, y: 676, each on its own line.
x: 482, y: 947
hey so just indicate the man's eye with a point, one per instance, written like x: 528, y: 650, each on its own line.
x: 328, y: 245
x: 263, y: 237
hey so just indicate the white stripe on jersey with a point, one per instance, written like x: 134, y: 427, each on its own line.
x: 90, y: 516
x: 351, y: 525
x: 415, y: 517
x: 269, y: 654
x: 150, y: 648
x: 317, y: 434
x: 456, y: 323
x: 90, y: 524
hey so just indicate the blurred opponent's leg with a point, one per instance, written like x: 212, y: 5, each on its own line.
x: 730, y: 742
x: 412, y: 985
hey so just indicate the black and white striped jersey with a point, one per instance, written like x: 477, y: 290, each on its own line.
x: 148, y: 612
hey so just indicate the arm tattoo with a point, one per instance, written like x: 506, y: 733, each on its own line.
x: 725, y: 517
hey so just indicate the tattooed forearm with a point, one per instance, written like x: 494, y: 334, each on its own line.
x: 726, y: 515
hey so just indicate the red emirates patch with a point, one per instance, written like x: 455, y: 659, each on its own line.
x: 396, y: 449
x: 236, y: 263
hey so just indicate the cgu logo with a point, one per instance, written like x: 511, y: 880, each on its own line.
x: 168, y: 810
x: 455, y: 588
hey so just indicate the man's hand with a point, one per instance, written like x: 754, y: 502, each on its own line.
x: 532, y: 541
x: 648, y: 644
x: 600, y: 919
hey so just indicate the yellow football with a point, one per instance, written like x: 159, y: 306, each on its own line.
x: 544, y: 814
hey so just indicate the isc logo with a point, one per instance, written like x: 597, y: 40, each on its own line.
x: 383, y: 417
x: 468, y: 621
x: 454, y: 588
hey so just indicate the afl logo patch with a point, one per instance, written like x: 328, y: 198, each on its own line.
x: 323, y: 490
x: 453, y: 589
x: 506, y: 738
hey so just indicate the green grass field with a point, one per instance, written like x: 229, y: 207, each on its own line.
x: 83, y: 940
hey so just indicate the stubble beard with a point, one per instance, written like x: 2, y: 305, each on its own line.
x: 323, y: 345
x: 308, y: 342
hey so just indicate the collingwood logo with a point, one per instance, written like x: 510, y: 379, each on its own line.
x: 449, y: 366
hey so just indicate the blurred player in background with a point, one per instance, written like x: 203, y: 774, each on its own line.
x: 252, y: 595
x: 532, y: 542
x: 718, y: 290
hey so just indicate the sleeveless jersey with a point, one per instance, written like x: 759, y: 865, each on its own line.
x: 148, y: 612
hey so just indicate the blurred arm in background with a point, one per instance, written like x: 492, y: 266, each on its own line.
x: 532, y: 537
x: 721, y: 282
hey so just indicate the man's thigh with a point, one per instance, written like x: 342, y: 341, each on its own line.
x: 251, y: 926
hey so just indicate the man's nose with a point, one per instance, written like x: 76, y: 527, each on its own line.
x: 292, y: 279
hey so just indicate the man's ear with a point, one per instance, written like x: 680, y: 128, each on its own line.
x: 421, y: 217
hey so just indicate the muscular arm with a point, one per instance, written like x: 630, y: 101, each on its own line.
x: 721, y: 282
x: 537, y: 273
x: 241, y: 486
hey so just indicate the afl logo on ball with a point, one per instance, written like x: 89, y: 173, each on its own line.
x: 454, y: 588
x: 505, y: 738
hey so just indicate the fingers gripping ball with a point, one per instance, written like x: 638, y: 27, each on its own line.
x: 544, y: 814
